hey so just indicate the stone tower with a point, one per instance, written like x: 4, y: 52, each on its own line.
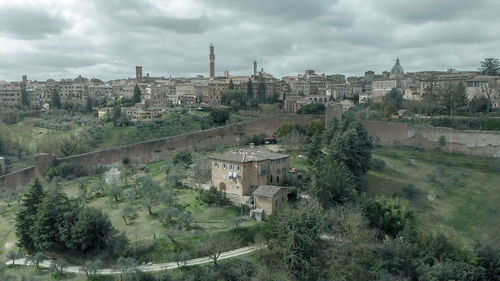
x: 138, y: 73
x: 254, y: 68
x: 212, y: 61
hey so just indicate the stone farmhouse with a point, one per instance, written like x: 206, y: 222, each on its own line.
x: 268, y: 199
x: 242, y: 171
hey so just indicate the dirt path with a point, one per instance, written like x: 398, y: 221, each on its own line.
x: 151, y: 267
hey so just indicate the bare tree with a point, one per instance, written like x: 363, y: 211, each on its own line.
x: 90, y: 268
x: 20, y: 138
x: 201, y: 169
x: 214, y: 246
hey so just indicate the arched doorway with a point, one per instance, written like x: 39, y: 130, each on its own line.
x: 222, y: 186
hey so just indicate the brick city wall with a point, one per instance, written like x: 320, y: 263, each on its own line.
x: 155, y: 150
x: 470, y: 142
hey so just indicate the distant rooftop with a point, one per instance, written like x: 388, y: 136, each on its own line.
x: 267, y: 190
x: 249, y: 155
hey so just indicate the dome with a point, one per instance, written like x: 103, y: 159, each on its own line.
x: 397, y: 68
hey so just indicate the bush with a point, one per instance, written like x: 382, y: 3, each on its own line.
x: 213, y: 196
x: 312, y: 108
x: 63, y: 170
x: 219, y: 116
x: 377, y: 164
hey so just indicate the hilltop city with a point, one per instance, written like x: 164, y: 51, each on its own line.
x: 293, y: 91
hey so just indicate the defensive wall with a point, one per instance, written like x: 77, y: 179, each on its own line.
x: 155, y: 150
x: 470, y: 142
x: 480, y: 143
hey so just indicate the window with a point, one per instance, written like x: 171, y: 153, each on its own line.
x: 284, y: 160
x: 284, y: 170
x: 238, y: 168
x: 277, y: 179
x: 231, y: 167
x: 224, y: 165
x: 278, y: 161
x: 278, y: 171
x: 216, y: 164
x: 270, y: 178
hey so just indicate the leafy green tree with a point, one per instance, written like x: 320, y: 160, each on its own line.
x: 489, y: 261
x: 219, y: 116
x: 55, y: 99
x: 231, y: 85
x: 349, y: 245
x: 90, y: 268
x: 312, y: 108
x: 330, y: 131
x: 490, y: 66
x: 37, y: 259
x: 127, y: 212
x: 398, y: 257
x: 394, y: 98
x: 127, y: 267
x: 453, y: 97
x: 314, y: 152
x: 25, y: 101
x: 389, y: 215
x: 352, y: 147
x: 293, y: 238
x: 116, y: 113
x: 14, y: 255
x: 88, y: 104
x: 150, y: 189
x: 91, y: 231
x: 249, y: 89
x: 137, y: 94
x: 214, y: 245
x: 331, y: 182
x: 52, y: 227
x: 59, y: 265
x: 261, y: 90
x: 27, y: 215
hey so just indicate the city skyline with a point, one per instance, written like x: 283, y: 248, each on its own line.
x: 64, y: 39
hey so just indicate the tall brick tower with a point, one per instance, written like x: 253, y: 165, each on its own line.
x: 212, y: 61
x: 254, y: 68
x: 138, y: 73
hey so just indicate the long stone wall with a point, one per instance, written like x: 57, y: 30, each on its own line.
x: 471, y: 142
x: 156, y: 150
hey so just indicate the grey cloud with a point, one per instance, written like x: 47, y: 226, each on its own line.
x: 29, y: 22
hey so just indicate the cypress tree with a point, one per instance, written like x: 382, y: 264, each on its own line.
x: 250, y: 89
x: 137, y: 94
x: 231, y: 85
x: 27, y: 215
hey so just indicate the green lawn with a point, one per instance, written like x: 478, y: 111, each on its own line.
x: 455, y: 194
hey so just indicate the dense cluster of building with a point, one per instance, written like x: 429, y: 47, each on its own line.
x: 297, y: 91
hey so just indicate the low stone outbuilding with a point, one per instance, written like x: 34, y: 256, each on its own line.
x: 269, y: 198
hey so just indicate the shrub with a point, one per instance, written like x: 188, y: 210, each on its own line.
x: 63, y: 170
x: 377, y: 164
x: 213, y: 196
x: 126, y: 161
x: 312, y: 108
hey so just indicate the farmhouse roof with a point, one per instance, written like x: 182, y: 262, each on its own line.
x: 244, y: 155
x: 267, y: 190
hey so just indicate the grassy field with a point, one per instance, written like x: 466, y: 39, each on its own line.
x: 455, y: 194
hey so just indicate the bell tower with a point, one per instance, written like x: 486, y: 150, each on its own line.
x: 212, y: 61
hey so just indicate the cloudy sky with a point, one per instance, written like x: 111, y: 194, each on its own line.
x: 107, y: 38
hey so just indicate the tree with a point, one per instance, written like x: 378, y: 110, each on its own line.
x: 116, y: 114
x: 213, y: 246
x: 349, y: 244
x: 394, y: 98
x: 115, y: 192
x: 68, y: 144
x: 27, y: 215
x: 250, y: 89
x: 231, y: 85
x: 52, y: 227
x: 490, y: 66
x: 453, y: 97
x: 14, y: 255
x: 38, y: 258
x: 91, y: 231
x: 261, y: 90
x: 127, y: 267
x: 201, y: 169
x: 293, y: 238
x: 25, y: 102
x: 185, y: 219
x: 389, y: 215
x: 352, y: 147
x: 90, y: 268
x: 88, y: 104
x: 59, y: 265
x: 489, y: 260
x: 20, y: 138
x: 150, y: 189
x: 137, y: 94
x: 219, y: 116
x: 55, y: 99
x: 312, y: 108
x: 332, y: 182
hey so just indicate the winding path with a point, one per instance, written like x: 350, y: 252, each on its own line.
x: 150, y: 267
